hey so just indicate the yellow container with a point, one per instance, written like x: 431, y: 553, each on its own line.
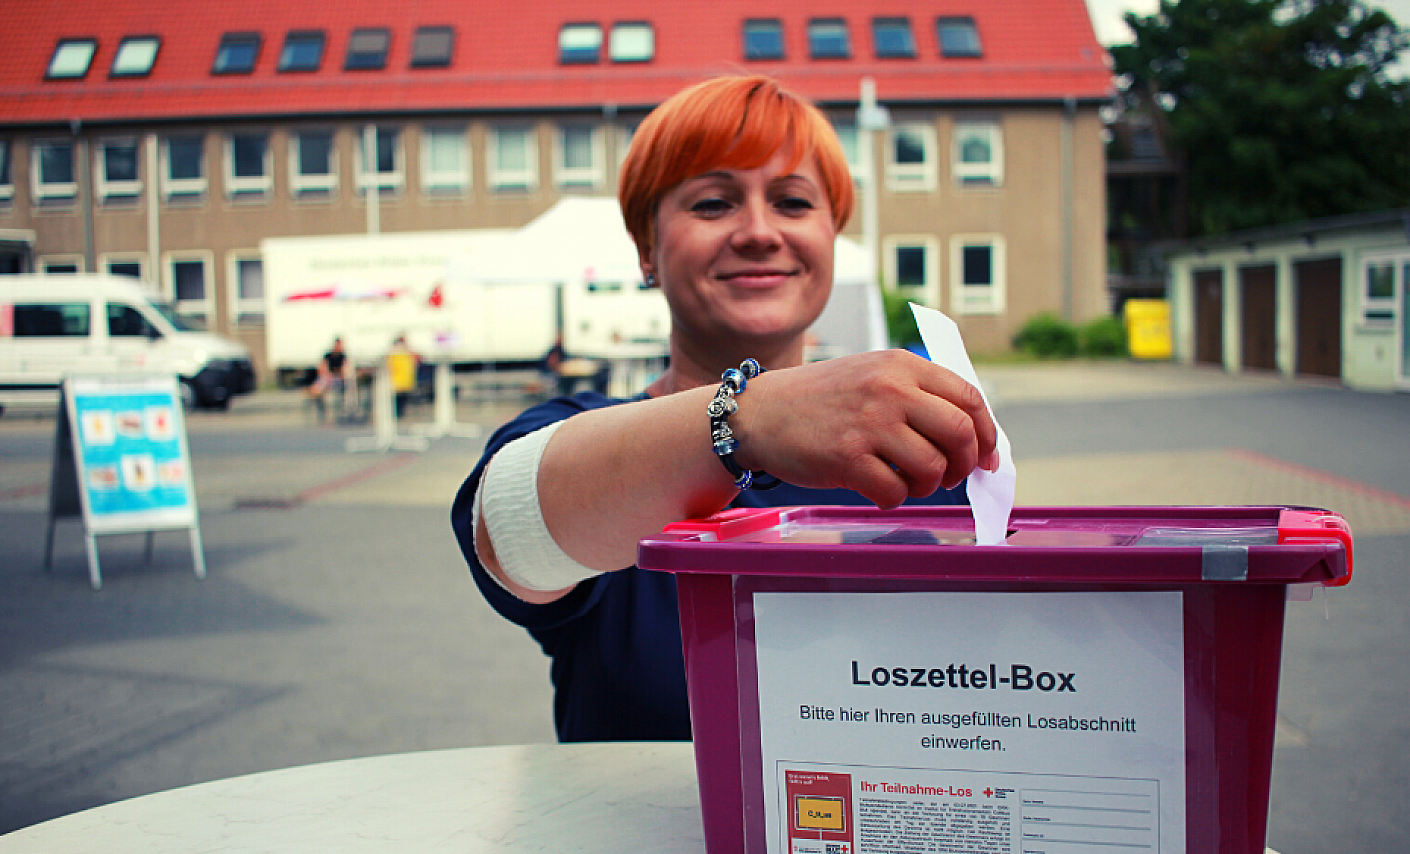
x: 1148, y: 328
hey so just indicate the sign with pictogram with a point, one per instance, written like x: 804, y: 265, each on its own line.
x: 121, y: 463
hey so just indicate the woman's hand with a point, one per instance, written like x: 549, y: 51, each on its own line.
x: 886, y: 424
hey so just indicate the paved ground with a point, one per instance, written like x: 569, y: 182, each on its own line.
x: 337, y: 619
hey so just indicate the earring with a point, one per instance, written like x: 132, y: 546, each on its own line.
x: 651, y: 280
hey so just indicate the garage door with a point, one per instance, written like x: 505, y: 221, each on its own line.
x: 1318, y: 286
x: 1209, y: 316
x: 1258, y: 307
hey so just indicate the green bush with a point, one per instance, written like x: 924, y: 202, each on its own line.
x: 1047, y: 336
x: 1104, y: 337
x: 900, y: 320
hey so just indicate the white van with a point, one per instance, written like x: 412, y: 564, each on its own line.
x: 53, y: 325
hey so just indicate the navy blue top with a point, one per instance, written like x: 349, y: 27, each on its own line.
x: 618, y: 670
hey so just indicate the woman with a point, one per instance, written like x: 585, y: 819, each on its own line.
x: 734, y: 192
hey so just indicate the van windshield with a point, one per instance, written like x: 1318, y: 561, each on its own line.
x: 179, y: 323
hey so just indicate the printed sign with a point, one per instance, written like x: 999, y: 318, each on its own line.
x: 129, y: 453
x: 991, y: 723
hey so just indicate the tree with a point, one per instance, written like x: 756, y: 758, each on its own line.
x: 1279, y: 110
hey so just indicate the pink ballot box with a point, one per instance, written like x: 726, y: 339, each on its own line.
x: 871, y: 682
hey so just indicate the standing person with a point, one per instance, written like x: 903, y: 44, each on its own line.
x: 734, y: 191
x: 403, y: 365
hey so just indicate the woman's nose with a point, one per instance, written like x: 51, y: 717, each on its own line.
x: 756, y: 227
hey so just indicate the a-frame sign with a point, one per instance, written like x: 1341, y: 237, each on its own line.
x: 121, y: 463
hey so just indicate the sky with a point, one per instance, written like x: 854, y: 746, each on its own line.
x: 1106, y: 16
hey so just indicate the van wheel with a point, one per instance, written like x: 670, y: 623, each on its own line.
x: 188, y: 396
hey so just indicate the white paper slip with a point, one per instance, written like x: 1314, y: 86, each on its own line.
x: 990, y: 493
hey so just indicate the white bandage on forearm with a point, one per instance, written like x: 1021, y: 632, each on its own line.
x: 508, y: 498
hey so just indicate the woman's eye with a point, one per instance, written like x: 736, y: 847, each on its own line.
x: 711, y: 206
x: 795, y: 204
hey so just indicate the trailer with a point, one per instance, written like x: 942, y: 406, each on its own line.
x: 367, y: 289
x: 490, y: 297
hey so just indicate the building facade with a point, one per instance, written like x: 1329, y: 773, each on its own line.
x: 166, y: 142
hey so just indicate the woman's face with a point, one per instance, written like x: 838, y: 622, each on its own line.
x: 745, y: 255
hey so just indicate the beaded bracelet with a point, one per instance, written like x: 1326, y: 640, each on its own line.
x: 722, y: 406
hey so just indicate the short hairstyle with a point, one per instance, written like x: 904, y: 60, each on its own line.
x: 735, y: 122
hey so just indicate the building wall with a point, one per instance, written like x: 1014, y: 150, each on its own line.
x: 1045, y: 217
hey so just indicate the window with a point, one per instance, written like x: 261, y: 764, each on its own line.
x: 247, y: 164
x: 312, y: 163
x: 1384, y: 276
x: 135, y: 56
x: 130, y: 266
x: 367, y: 50
x: 957, y: 37
x: 851, y: 148
x: 910, y: 161
x: 124, y: 321
x: 183, y: 169
x: 445, y: 159
x: 187, y: 275
x: 7, y: 185
x: 60, y: 264
x: 632, y: 43
x: 52, y: 320
x: 827, y: 39
x: 71, y: 59
x: 979, y: 154
x: 432, y: 47
x: 303, y: 51
x: 237, y: 53
x: 625, y: 133
x: 579, y: 44
x: 977, y: 283
x: 910, y: 264
x: 52, y: 169
x: 579, y: 158
x: 763, y: 39
x: 385, y: 170
x: 513, y: 159
x: 117, y: 173
x: 892, y: 39
x: 247, y: 296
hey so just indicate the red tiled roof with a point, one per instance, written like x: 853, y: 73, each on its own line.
x: 506, y: 56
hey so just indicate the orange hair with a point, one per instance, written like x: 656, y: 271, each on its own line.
x: 734, y: 122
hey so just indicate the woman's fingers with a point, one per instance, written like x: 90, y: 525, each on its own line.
x: 947, y: 385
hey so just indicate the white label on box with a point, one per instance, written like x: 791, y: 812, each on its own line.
x: 982, y: 722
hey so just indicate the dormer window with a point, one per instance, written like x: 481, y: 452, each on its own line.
x: 71, y: 59
x: 237, y: 53
x: 763, y: 38
x: 827, y: 39
x: 958, y: 37
x: 579, y: 44
x: 432, y: 47
x: 632, y: 42
x: 892, y: 39
x: 303, y: 51
x: 135, y: 56
x: 367, y: 50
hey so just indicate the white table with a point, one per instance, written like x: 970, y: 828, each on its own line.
x: 598, y: 798
x: 627, y: 798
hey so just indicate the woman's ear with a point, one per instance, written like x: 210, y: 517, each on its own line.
x: 648, y: 269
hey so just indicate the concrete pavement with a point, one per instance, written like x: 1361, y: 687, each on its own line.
x: 338, y: 620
